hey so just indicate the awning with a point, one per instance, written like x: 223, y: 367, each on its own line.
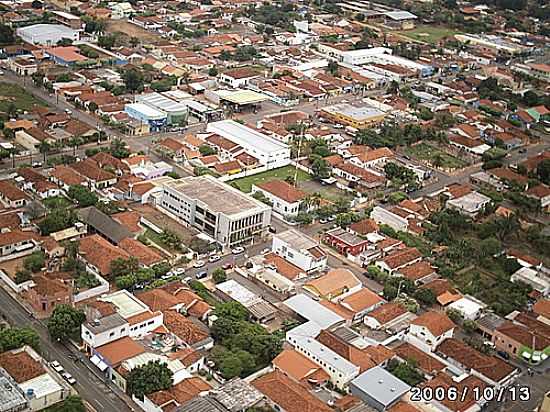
x: 102, y: 366
x: 95, y: 360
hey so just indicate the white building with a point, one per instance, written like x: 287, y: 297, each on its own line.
x: 535, y: 278
x: 222, y: 212
x: 340, y: 370
x: 300, y: 250
x: 385, y: 217
x: 469, y: 308
x: 47, y: 34
x: 430, y: 329
x: 270, y: 153
x: 133, y: 319
x: 470, y: 204
x: 285, y: 198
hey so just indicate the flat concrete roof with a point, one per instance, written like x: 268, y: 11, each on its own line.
x: 220, y: 197
x: 127, y: 304
x: 380, y: 385
x: 297, y: 239
x: 242, y: 97
x: 311, y: 310
x: 356, y: 113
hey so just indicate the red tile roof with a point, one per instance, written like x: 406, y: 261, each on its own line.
x: 145, y: 255
x: 283, y: 190
x: 21, y: 366
x: 100, y: 253
x: 288, y: 394
x: 437, y: 323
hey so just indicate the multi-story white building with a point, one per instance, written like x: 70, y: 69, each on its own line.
x: 270, y: 153
x: 300, y: 250
x: 133, y: 318
x: 227, y: 215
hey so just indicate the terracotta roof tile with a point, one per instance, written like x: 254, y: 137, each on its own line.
x: 425, y: 361
x: 437, y: 323
x: 185, y: 329
x: 283, y: 190
x: 288, y: 394
x: 145, y: 255
x: 100, y: 253
x: 387, y: 312
x: 21, y: 366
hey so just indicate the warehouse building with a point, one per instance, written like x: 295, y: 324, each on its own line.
x: 176, y: 113
x: 269, y: 152
x: 155, y: 118
x: 46, y: 34
x: 358, y: 117
x: 222, y: 212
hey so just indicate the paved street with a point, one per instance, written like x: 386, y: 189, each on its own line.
x: 89, y: 386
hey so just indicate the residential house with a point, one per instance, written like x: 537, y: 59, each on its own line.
x: 239, y: 77
x: 300, y: 250
x: 46, y: 293
x: 345, y: 242
x: 16, y: 242
x: 386, y: 315
x: 428, y: 330
x: 399, y: 259
x: 298, y: 367
x: 11, y: 196
x: 335, y: 284
x: 285, y: 199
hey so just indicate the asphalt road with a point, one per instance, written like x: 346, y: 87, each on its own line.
x: 93, y: 390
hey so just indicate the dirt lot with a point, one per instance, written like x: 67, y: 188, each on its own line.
x: 131, y: 30
x: 12, y: 266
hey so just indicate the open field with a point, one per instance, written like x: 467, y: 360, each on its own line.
x: 428, y: 34
x: 435, y: 156
x: 131, y: 30
x: 245, y: 183
x: 12, y: 93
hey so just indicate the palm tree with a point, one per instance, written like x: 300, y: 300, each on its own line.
x: 74, y: 142
x: 44, y: 147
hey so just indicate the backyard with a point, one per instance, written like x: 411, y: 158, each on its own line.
x: 245, y: 183
x: 435, y: 156
x: 428, y: 34
x: 12, y: 93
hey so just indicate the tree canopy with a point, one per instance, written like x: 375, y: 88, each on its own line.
x: 151, y: 377
x: 14, y: 338
x: 65, y: 321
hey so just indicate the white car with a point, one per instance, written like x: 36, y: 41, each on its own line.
x: 198, y: 264
x: 177, y: 271
x: 56, y: 366
x: 214, y: 258
x: 238, y: 250
x: 187, y: 279
x: 69, y: 378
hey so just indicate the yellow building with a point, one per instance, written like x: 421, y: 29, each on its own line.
x: 358, y: 117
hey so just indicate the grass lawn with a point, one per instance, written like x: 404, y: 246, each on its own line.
x: 424, y: 151
x: 155, y: 238
x: 12, y: 93
x: 428, y: 34
x: 245, y: 183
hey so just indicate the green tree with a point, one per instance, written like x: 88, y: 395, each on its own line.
x: 320, y: 167
x: 125, y: 281
x: 231, y: 310
x: 206, y: 150
x: 6, y: 35
x: 219, y: 275
x: 119, y: 149
x: 146, y: 379
x: 121, y: 266
x: 14, y: 338
x: 213, y: 72
x: 72, y: 403
x: 133, y: 80
x: 22, y: 275
x: 425, y: 296
x: 543, y: 171
x: 35, y: 261
x: 44, y: 148
x: 82, y: 195
x: 56, y: 220
x: 333, y: 68
x: 107, y: 42
x: 406, y: 371
x: 65, y: 321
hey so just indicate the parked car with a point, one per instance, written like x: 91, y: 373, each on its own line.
x: 214, y: 258
x: 36, y: 164
x: 331, y: 218
x: 56, y: 366
x: 177, y: 271
x: 167, y: 276
x: 187, y: 279
x: 227, y: 266
x: 323, y: 221
x: 69, y: 378
x: 238, y: 250
x: 201, y: 275
x: 199, y: 264
x: 272, y: 229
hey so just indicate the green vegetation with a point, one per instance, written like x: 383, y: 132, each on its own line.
x: 15, y: 97
x: 35, y: 261
x: 65, y: 322
x: 14, y: 338
x: 83, y: 196
x: 242, y: 347
x: 166, y: 239
x: 436, y: 157
x: 56, y: 220
x: 245, y: 183
x: 219, y: 275
x: 71, y: 404
x: 428, y: 34
x: 151, y: 377
x: 56, y: 202
x: 406, y: 371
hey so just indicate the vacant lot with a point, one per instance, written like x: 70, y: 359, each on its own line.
x: 429, y: 34
x: 435, y: 156
x: 131, y: 30
x: 245, y: 183
x: 12, y: 93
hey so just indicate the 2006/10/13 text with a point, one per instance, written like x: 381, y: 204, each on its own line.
x: 453, y: 393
